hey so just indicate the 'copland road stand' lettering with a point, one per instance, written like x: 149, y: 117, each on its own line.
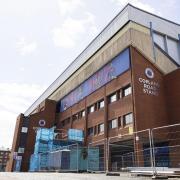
x: 150, y: 87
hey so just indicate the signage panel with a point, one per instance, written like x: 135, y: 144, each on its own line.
x: 117, y: 66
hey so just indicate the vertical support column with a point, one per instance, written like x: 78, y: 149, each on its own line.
x: 139, y: 158
x: 152, y: 38
x: 106, y: 160
x: 86, y: 124
x: 153, y: 153
x: 179, y: 46
x: 165, y: 44
x: 71, y: 118
x: 150, y: 149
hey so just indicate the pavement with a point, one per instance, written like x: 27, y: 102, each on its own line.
x: 64, y: 176
x: 68, y: 176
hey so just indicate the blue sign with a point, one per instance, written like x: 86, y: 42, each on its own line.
x: 117, y: 66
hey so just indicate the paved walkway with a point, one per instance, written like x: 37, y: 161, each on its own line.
x: 64, y: 176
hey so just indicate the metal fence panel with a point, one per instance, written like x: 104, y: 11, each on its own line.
x: 130, y: 152
x: 97, y: 153
x: 166, y: 149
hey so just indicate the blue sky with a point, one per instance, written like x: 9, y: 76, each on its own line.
x: 40, y: 38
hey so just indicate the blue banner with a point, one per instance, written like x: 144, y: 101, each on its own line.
x: 117, y: 66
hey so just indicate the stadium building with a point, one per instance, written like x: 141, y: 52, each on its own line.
x: 126, y: 80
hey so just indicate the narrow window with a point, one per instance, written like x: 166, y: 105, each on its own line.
x: 100, y: 128
x: 127, y: 91
x: 100, y: 104
x: 83, y: 113
x: 113, y: 98
x: 63, y: 123
x: 91, y: 109
x: 24, y: 130
x: 95, y: 130
x: 128, y: 119
x: 90, y: 131
x: 119, y: 122
x: 21, y: 150
x: 113, y: 124
x: 75, y: 117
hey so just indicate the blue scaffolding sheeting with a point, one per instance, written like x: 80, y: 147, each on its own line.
x: 45, y: 145
x: 34, y: 163
x: 45, y: 134
x: 75, y: 135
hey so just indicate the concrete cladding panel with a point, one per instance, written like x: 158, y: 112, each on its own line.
x: 97, y: 61
x: 163, y: 62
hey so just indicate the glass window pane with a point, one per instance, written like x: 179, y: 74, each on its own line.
x: 90, y: 131
x: 101, y: 104
x: 113, y: 98
x: 128, y: 119
x: 127, y: 91
x: 92, y: 109
x: 83, y: 113
x: 114, y: 123
x: 21, y: 150
x: 100, y: 128
x: 24, y: 129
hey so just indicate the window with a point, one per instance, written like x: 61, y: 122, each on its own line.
x: 128, y: 119
x: 90, y: 131
x: 100, y: 104
x: 75, y: 117
x: 120, y: 94
x: 119, y: 122
x: 113, y: 98
x: 95, y: 130
x: 65, y: 122
x: 83, y: 113
x: 21, y: 150
x: 100, y: 128
x: 91, y: 109
x: 24, y: 130
x: 127, y: 91
x: 113, y: 124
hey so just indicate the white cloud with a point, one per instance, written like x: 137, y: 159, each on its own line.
x: 14, y: 99
x: 24, y: 47
x: 69, y: 6
x: 137, y: 3
x: 71, y: 31
x: 22, y: 69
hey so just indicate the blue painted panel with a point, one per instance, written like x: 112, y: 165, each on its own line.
x: 117, y: 66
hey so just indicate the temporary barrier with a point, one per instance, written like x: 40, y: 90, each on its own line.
x: 166, y: 149
x: 65, y: 159
x: 155, y: 152
x: 130, y: 151
x: 97, y: 152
